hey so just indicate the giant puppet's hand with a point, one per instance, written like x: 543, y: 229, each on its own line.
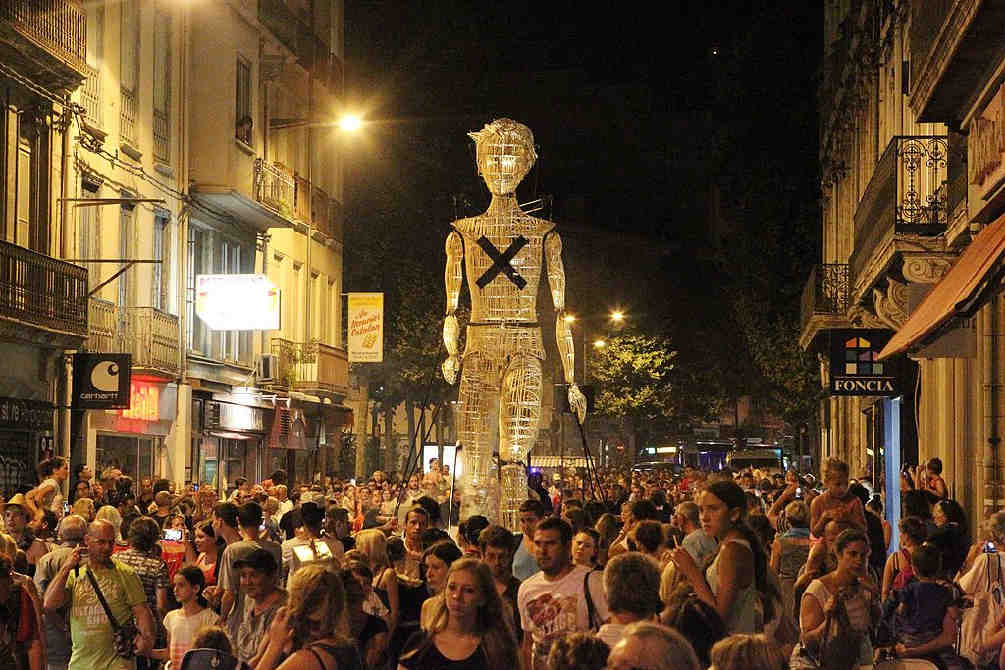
x: 577, y: 402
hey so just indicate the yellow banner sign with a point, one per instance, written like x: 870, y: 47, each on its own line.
x: 366, y: 327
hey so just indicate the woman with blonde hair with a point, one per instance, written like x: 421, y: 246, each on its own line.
x: 306, y: 630
x: 466, y: 627
x: 112, y: 516
x: 372, y: 544
x: 84, y: 507
x: 747, y: 652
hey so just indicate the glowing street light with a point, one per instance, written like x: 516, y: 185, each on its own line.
x: 569, y: 318
x: 350, y: 123
x: 599, y: 344
x: 617, y: 316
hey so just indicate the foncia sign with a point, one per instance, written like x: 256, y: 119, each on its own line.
x: 855, y: 366
x: 101, y: 381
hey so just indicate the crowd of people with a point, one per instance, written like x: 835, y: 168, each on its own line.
x: 622, y: 570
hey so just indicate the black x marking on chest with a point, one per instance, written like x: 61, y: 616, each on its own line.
x: 501, y: 261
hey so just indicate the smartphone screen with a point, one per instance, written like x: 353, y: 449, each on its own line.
x: 173, y: 534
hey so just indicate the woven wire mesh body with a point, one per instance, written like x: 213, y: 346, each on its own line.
x: 499, y: 403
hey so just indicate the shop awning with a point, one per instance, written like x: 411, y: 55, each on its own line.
x: 959, y: 293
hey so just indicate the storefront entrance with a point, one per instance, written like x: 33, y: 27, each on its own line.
x: 134, y: 455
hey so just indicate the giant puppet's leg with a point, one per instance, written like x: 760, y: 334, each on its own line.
x: 519, y: 419
x: 476, y: 428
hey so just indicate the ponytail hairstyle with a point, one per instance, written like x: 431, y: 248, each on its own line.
x: 731, y: 494
x: 194, y: 576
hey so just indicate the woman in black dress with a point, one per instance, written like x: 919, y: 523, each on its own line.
x: 466, y: 629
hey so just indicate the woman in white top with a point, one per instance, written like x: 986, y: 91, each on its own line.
x: 839, y: 609
x: 733, y: 582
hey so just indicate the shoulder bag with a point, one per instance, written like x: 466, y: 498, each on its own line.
x: 125, y: 634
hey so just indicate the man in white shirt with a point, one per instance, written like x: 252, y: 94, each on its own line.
x: 559, y: 600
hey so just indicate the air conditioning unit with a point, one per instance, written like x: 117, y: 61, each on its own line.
x: 267, y: 368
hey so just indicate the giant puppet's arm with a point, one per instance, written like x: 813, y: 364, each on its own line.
x: 452, y: 278
x: 563, y: 329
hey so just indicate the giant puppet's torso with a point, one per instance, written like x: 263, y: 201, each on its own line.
x: 503, y: 259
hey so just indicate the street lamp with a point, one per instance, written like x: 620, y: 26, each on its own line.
x: 616, y: 316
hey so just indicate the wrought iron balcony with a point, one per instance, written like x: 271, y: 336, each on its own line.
x: 42, y: 292
x: 905, y: 197
x: 275, y: 187
x: 102, y: 325
x: 45, y: 39
x: 311, y: 366
x: 826, y: 292
x: 152, y: 338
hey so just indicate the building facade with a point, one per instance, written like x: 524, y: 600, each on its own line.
x: 904, y: 99
x: 43, y: 299
x: 177, y: 145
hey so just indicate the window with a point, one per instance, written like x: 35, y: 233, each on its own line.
x: 162, y: 83
x: 89, y: 236
x: 161, y: 274
x: 129, y: 49
x: 243, y: 103
x: 126, y: 247
x: 23, y: 221
x: 230, y: 263
x: 292, y: 325
x: 198, y: 241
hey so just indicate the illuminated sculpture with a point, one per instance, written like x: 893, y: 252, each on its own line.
x: 501, y: 380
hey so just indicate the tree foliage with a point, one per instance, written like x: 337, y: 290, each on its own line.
x: 633, y: 374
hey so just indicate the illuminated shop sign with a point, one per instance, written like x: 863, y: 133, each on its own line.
x: 855, y: 368
x: 101, y: 381
x: 237, y: 302
x: 144, y: 402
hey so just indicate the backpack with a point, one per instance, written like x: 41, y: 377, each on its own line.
x: 981, y: 621
x: 695, y: 619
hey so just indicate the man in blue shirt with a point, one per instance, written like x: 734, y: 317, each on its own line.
x: 524, y: 563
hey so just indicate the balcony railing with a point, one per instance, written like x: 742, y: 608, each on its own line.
x: 102, y: 325
x: 57, y: 26
x: 90, y: 97
x: 826, y: 292
x: 127, y: 117
x: 310, y: 366
x: 152, y: 339
x: 906, y: 195
x: 41, y: 291
x: 274, y: 187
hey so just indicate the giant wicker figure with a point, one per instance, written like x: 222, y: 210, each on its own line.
x: 504, y: 251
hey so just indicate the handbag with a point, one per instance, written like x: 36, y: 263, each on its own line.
x: 124, y: 634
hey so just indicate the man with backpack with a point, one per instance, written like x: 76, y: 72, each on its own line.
x: 561, y: 598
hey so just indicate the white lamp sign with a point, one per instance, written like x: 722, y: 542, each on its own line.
x: 237, y: 302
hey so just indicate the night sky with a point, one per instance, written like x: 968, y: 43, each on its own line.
x: 642, y: 120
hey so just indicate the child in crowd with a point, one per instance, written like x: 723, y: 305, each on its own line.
x: 183, y: 624
x: 925, y: 613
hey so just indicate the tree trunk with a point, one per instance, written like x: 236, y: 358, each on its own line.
x: 389, y: 446
x: 364, y: 439
x: 413, y: 441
